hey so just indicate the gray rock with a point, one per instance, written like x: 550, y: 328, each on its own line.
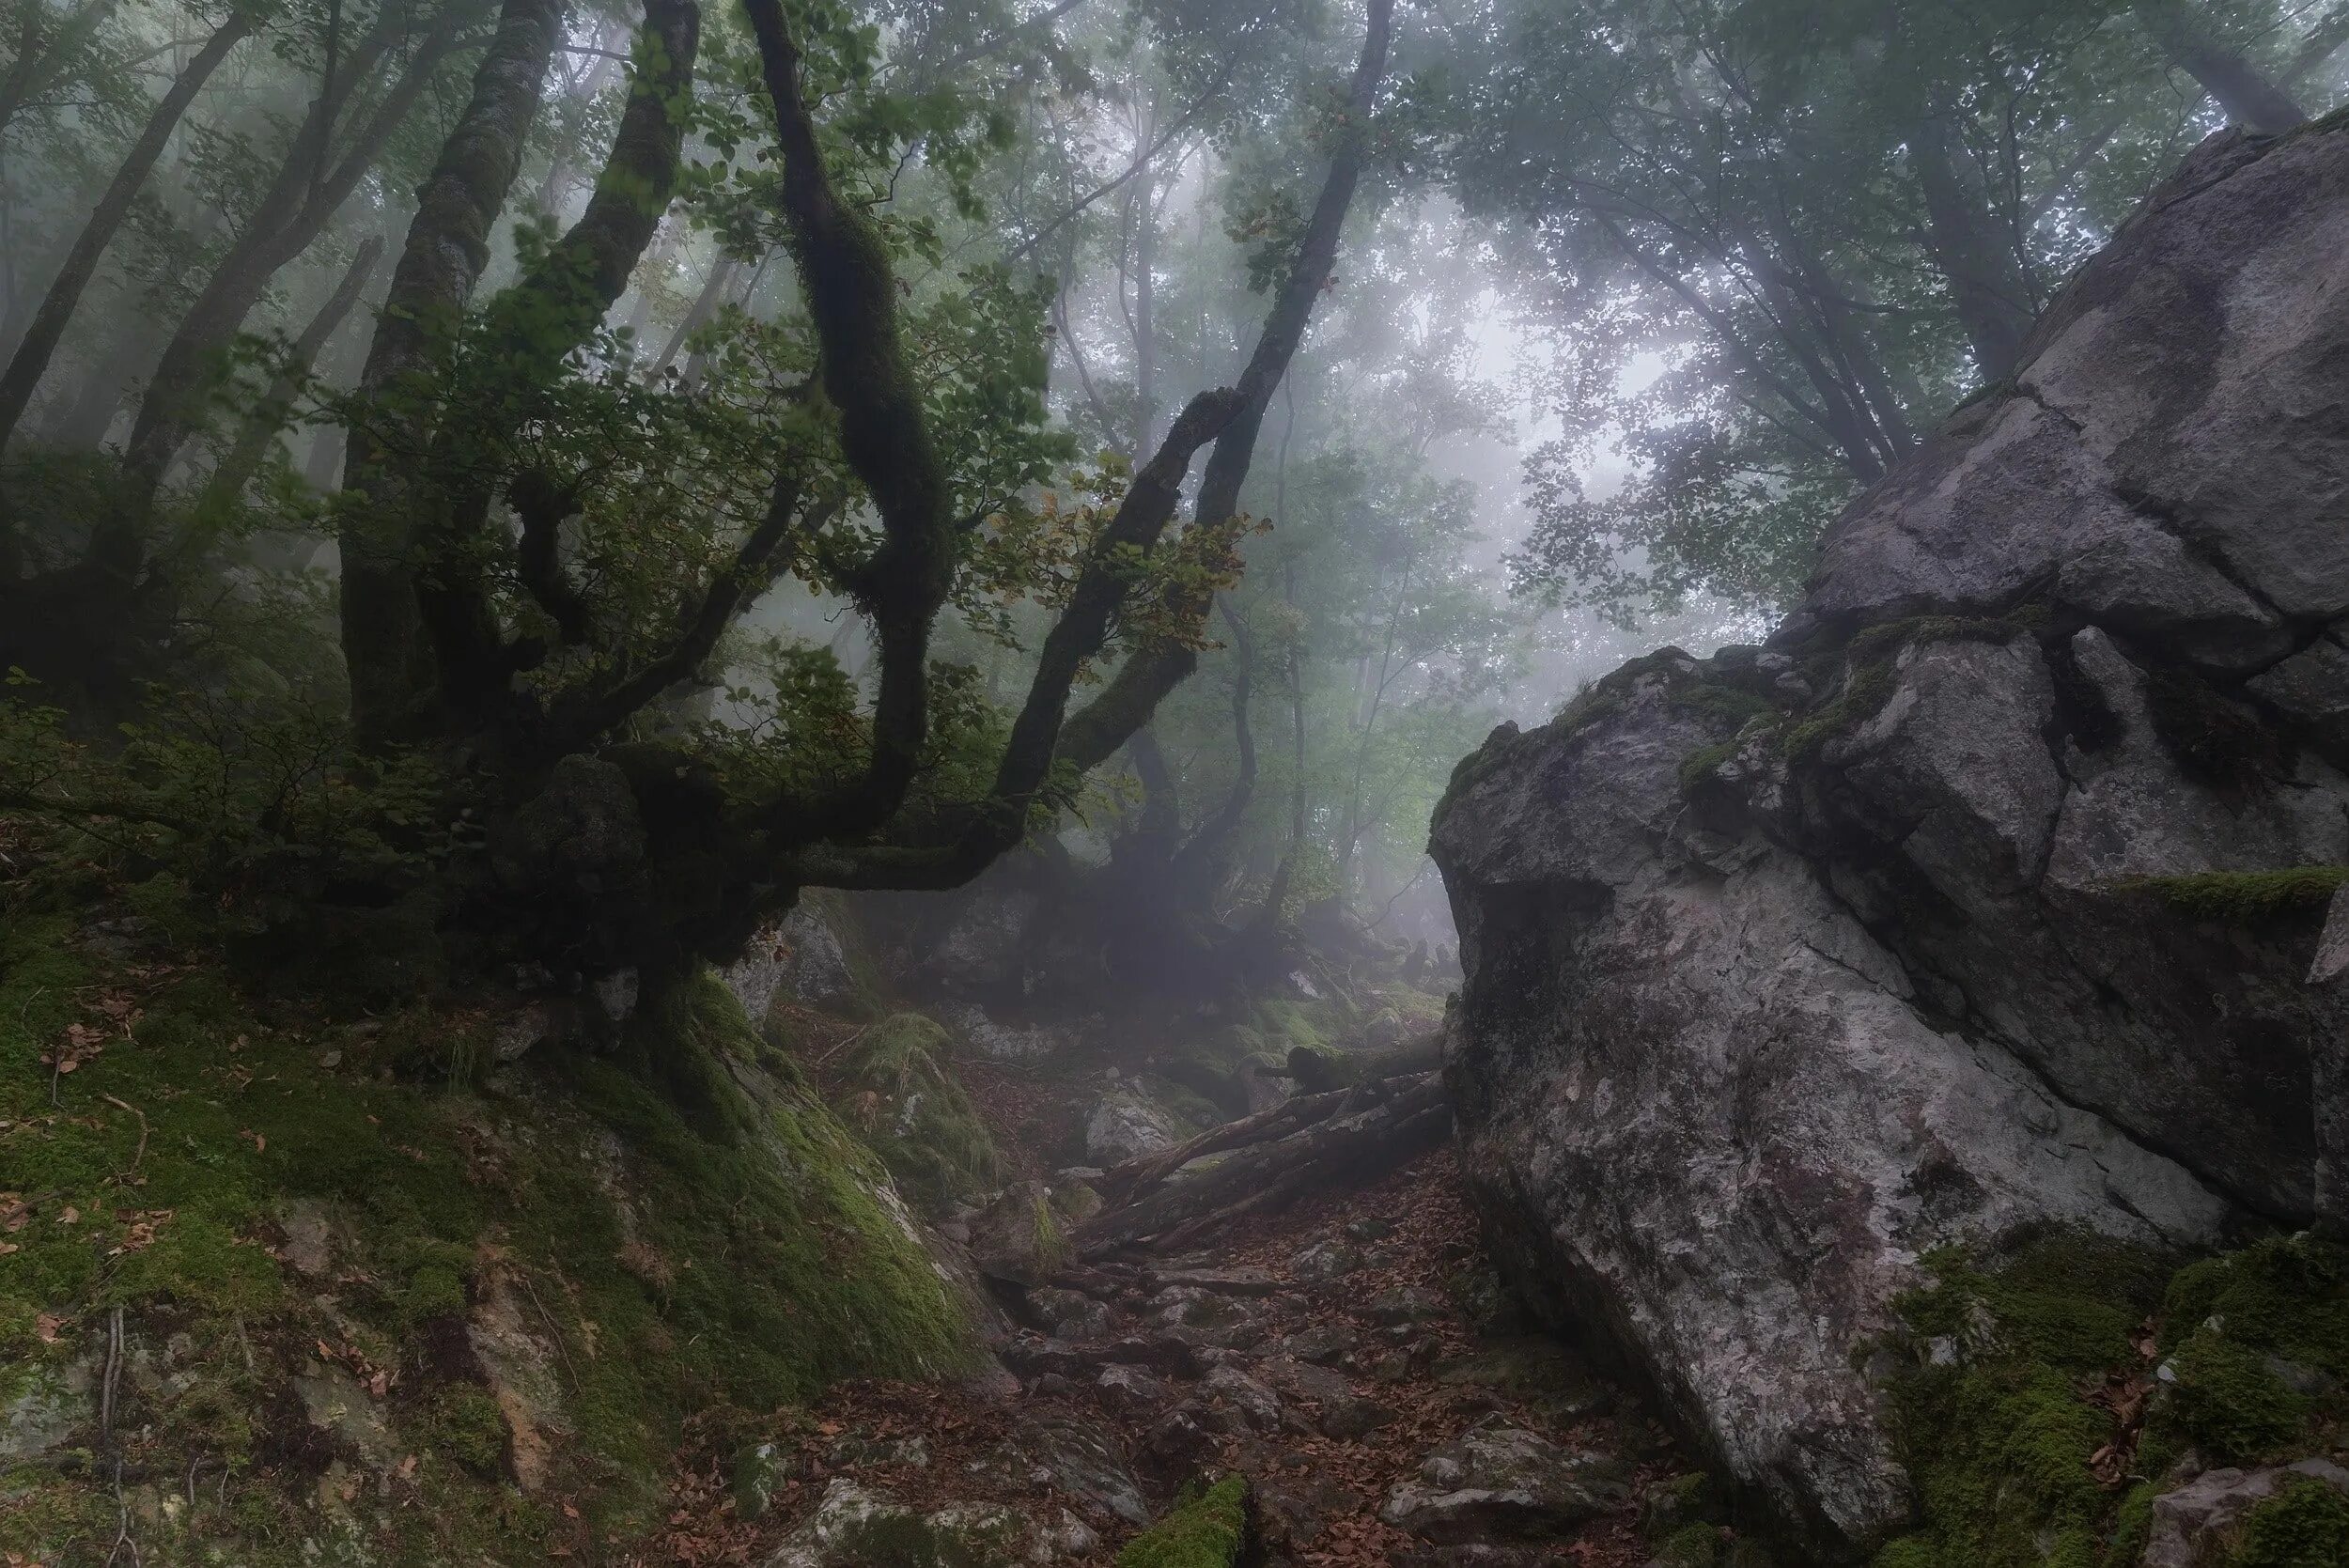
x: 800, y: 960
x: 1130, y: 1390
x: 1725, y: 1065
x: 1070, y: 1314
x: 1403, y: 1304
x: 1240, y: 1280
x: 855, y: 1526
x: 1325, y: 1261
x: 1124, y: 1124
x: 1340, y: 1410
x: 2195, y: 1523
x: 1016, y: 1238
x: 1241, y: 1402
x: 1500, y: 1481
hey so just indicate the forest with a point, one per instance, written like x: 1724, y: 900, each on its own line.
x: 844, y: 783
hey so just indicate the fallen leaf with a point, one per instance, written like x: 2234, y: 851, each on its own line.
x: 68, y: 1216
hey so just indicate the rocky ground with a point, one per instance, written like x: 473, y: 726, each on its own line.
x: 1348, y: 1356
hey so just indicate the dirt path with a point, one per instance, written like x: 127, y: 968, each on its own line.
x: 1347, y: 1355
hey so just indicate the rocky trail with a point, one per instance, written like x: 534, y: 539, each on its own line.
x: 1348, y: 1353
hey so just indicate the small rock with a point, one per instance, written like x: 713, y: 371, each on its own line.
x: 1016, y: 1238
x: 1130, y: 1390
x: 1325, y: 1261
x: 1070, y: 1314
x: 759, y: 1472
x: 1402, y: 1305
x: 1243, y: 1281
x: 1323, y: 1345
x: 1501, y: 1481
x: 2193, y: 1524
x: 1344, y: 1413
x: 1238, y: 1395
x: 1033, y: 1355
x: 1369, y: 1229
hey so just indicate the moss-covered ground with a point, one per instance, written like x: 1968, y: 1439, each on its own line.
x: 505, y: 1288
x: 2042, y: 1402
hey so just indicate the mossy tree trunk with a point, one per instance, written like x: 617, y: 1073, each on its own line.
x: 448, y: 244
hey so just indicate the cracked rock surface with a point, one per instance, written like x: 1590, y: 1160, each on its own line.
x: 1769, y: 993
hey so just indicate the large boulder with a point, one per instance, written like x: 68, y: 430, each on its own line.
x: 1984, y: 900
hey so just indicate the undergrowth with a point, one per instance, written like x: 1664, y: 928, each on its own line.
x: 674, y: 1226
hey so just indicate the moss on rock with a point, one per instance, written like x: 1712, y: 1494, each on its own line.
x: 901, y: 1093
x: 669, y: 1227
x: 2245, y: 897
x: 2304, y: 1524
x: 1209, y: 1530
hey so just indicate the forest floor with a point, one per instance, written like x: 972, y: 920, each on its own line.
x: 1349, y: 1353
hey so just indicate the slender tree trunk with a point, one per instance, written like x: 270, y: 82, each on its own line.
x: 1091, y: 733
x: 2249, y: 99
x: 448, y: 245
x: 1986, y: 281
x: 305, y: 195
x: 1145, y: 266
x: 31, y: 359
x: 705, y: 306
x: 261, y: 426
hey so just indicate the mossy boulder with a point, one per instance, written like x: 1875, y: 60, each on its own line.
x: 899, y: 1090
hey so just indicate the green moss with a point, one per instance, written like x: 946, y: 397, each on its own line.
x: 2245, y: 897
x: 2304, y: 1524
x: 693, y: 1229
x: 1909, y: 1551
x: 1690, y: 1546
x: 465, y: 1426
x: 1995, y: 1429
x: 902, y: 1095
x: 2228, y: 1322
x: 1205, y: 1531
x: 1864, y: 692
x: 1700, y: 765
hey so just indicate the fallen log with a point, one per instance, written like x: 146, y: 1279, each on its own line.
x: 1373, y: 1127
x: 1124, y: 1183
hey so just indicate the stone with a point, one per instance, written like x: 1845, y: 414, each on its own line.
x: 1325, y: 1261
x: 1241, y: 1401
x: 1340, y: 1410
x: 1241, y: 1280
x: 759, y: 1472
x: 1130, y: 1390
x: 1504, y: 1482
x: 1400, y: 1305
x: 1905, y: 973
x: 1070, y: 1314
x: 2194, y: 1524
x: 1017, y: 1238
x: 1080, y: 1461
x: 857, y: 1526
x: 799, y: 959
x: 998, y: 1041
x: 1124, y: 1125
x: 1323, y: 1345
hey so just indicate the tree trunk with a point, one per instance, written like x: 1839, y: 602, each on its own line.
x: 706, y: 303
x: 1096, y: 730
x: 31, y: 359
x: 306, y: 193
x: 1986, y: 281
x: 448, y: 245
x: 547, y: 314
x: 261, y: 426
x: 2249, y: 99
